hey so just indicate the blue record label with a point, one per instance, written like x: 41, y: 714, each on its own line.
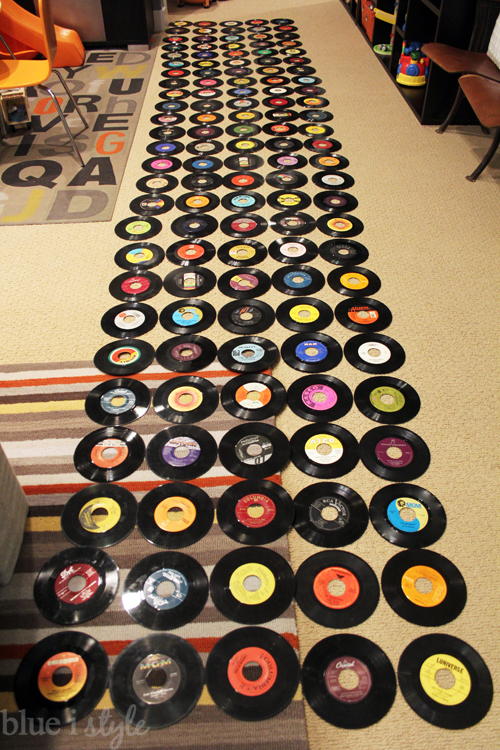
x: 181, y: 451
x: 302, y: 351
x: 420, y: 519
x: 165, y: 575
x: 122, y: 406
x: 297, y: 279
x: 243, y: 201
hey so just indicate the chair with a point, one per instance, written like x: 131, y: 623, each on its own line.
x: 24, y: 73
x: 483, y: 95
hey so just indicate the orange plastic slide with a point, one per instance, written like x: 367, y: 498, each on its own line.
x: 22, y: 32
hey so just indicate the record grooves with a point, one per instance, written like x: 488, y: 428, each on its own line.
x: 185, y: 399
x: 248, y: 354
x: 329, y: 514
x: 99, y: 515
x: 407, y: 515
x: 175, y: 515
x: 319, y: 398
x: 117, y: 402
x: 254, y: 451
x: 253, y: 396
x: 255, y: 512
x: 186, y: 353
x: 315, y: 352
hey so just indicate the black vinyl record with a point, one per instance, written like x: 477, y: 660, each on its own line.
x: 201, y: 181
x: 202, y: 164
x: 245, y: 145
x: 100, y: 515
x: 314, y: 352
x: 340, y: 225
x: 242, y: 253
x: 289, y: 200
x: 330, y: 179
x: 118, y: 401
x: 157, y: 183
x: 424, y: 587
x: 167, y: 132
x: 165, y: 656
x: 363, y: 314
x: 129, y: 320
x: 287, y: 161
x: 253, y: 396
x: 280, y: 102
x: 313, y: 130
x: 331, y: 161
x: 244, y: 162
x: 197, y: 202
x: 461, y: 706
x: 186, y: 353
x: 194, y: 226
x: 248, y: 354
x: 394, y: 453
x: 243, y: 130
x: 283, y: 145
x: 348, y: 708
x: 235, y: 601
x: 407, y: 515
x: 243, y: 181
x: 135, y: 286
x: 211, y: 106
x: 250, y: 699
x: 246, y: 317
x: 304, y: 314
x: 185, y: 399
x: 311, y: 115
x: 181, y: 452
x: 387, y: 400
x: 354, y: 281
x: 109, y: 454
x: 161, y: 165
x: 205, y: 94
x: 243, y: 225
x: 136, y: 228
x: 142, y: 594
x: 244, y: 284
x: 140, y: 256
x: 343, y: 252
x: 255, y: 512
x: 286, y: 179
x: 281, y: 115
x: 324, y: 450
x: 189, y: 282
x: 193, y: 317
x: 374, y: 353
x: 292, y: 223
x: 319, y: 398
x: 205, y: 132
x: 329, y: 514
x: 206, y: 118
x: 254, y: 451
x: 296, y: 280
x: 284, y: 129
x: 190, y: 253
x: 334, y: 201
x: 175, y: 515
x: 322, y: 145
x: 336, y: 589
x: 42, y: 698
x: 165, y: 148
x: 205, y: 148
x: 243, y: 200
x: 242, y: 104
x: 76, y: 585
x: 292, y: 249
x: 125, y: 358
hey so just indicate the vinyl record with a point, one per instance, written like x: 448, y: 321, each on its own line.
x: 324, y: 450
x: 191, y: 318
x: 319, y: 398
x: 283, y: 145
x: 189, y: 282
x: 205, y: 94
x: 206, y: 118
x: 363, y: 314
x: 190, y: 254
x: 116, y: 402
x: 42, y: 698
x: 129, y: 320
x: 242, y: 103
x: 253, y: 396
x: 374, y: 353
x: 125, y: 358
x: 161, y: 165
x: 243, y: 201
x: 292, y: 223
x: 100, y: 515
x: 464, y: 704
x: 255, y: 512
x: 243, y: 225
x: 280, y: 102
x: 304, y: 314
x: 139, y: 256
x: 336, y: 589
x: 201, y: 181
x: 243, y: 130
x: 423, y: 587
x: 246, y: 317
x: 167, y: 132
x: 181, y: 452
x: 354, y: 281
x: 387, y: 400
x: 245, y: 145
x: 334, y: 201
x: 135, y: 286
x: 287, y: 161
x: 329, y: 514
x: 205, y: 149
x: 394, y: 453
x: 302, y: 68
x: 241, y: 81
x: 292, y: 249
x: 175, y: 515
x: 252, y: 607
x: 197, y: 202
x: 109, y: 454
x: 244, y: 284
x: 296, y: 279
x: 268, y: 70
x: 314, y: 352
x: 242, y: 253
x: 186, y: 353
x: 247, y: 116
x: 157, y: 183
x: 313, y: 130
x: 202, y: 164
x: 185, y: 399
x: 312, y: 115
x: 407, y: 515
x: 136, y: 228
x: 289, y: 200
x: 343, y: 252
x: 248, y: 354
x: 227, y: 669
x: 323, y: 685
x: 287, y: 180
x: 205, y: 132
x: 143, y: 596
x: 254, y: 451
x: 341, y: 225
x: 322, y: 145
x: 76, y: 585
x: 244, y: 162
x: 330, y: 179
x: 165, y: 148
x: 194, y: 226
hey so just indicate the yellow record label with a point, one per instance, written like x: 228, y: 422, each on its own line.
x: 242, y: 252
x: 244, y: 116
x: 324, y: 449
x: 289, y: 199
x: 338, y: 224
x: 63, y: 693
x: 297, y: 313
x: 175, y: 524
x: 353, y: 280
x: 435, y: 596
x: 245, y: 144
x: 315, y: 130
x: 98, y: 524
x: 185, y: 398
x: 447, y: 696
x: 262, y: 594
x: 144, y: 254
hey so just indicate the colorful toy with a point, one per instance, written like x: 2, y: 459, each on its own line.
x: 413, y: 66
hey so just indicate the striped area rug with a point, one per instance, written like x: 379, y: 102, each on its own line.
x: 42, y: 419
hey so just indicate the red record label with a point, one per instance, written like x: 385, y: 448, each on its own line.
x: 190, y: 252
x: 243, y: 225
x: 87, y: 572
x: 337, y: 578
x: 244, y: 504
x: 252, y: 655
x: 242, y: 180
x: 135, y: 285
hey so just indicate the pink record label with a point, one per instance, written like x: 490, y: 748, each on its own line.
x: 319, y: 397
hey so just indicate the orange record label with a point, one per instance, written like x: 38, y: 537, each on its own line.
x: 53, y: 692
x: 252, y: 655
x: 431, y: 599
x: 336, y: 577
x: 108, y: 453
x: 175, y: 524
x: 328, y: 161
x: 339, y: 225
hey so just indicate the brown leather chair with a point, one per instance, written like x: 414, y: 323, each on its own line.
x: 483, y: 94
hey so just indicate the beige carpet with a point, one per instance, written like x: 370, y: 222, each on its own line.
x: 433, y: 240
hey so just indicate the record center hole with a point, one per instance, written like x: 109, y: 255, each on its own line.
x: 348, y: 679
x: 319, y: 397
x: 254, y: 449
x: 255, y: 510
x: 109, y: 453
x: 445, y: 679
x: 140, y: 256
x: 156, y: 678
x: 77, y: 583
x: 329, y: 513
x: 185, y: 399
x: 129, y: 319
x: 394, y: 452
x: 99, y: 513
x: 165, y: 589
x: 118, y: 400
x: 63, y: 676
x: 336, y: 587
x: 187, y: 315
x: 311, y: 351
x: 297, y: 280
x: 252, y: 671
x: 423, y: 585
x: 407, y: 514
x: 135, y: 285
x: 253, y: 396
x: 175, y: 514
x: 124, y: 356
x: 324, y: 449
x: 304, y: 314
x: 186, y: 353
x: 387, y: 399
x: 252, y: 583
x: 343, y: 251
x: 361, y: 313
x: 181, y: 451
x: 241, y: 254
x: 247, y: 353
x: 243, y: 225
x: 246, y: 316
x: 374, y: 353
x: 191, y: 252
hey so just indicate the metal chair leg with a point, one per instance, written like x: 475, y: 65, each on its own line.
x: 491, y: 152
x: 452, y: 112
x: 54, y: 70
x: 63, y: 120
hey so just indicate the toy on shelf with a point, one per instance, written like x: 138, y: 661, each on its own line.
x: 413, y: 66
